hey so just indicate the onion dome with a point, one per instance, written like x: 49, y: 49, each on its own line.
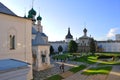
x: 32, y: 12
x: 85, y: 30
x: 30, y: 16
x: 39, y: 18
x: 69, y: 34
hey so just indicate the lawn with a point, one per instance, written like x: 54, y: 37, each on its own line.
x: 76, y: 69
x: 98, y: 70
x: 87, y: 59
x: 62, y: 56
x: 108, y: 54
x: 54, y: 77
x: 109, y: 62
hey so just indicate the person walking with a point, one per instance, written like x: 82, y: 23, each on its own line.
x: 62, y: 67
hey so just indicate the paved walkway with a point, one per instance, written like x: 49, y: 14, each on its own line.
x: 114, y: 75
x: 41, y: 75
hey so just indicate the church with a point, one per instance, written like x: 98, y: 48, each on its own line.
x: 64, y: 43
x: 84, y: 43
x: 23, y: 44
x: 40, y: 45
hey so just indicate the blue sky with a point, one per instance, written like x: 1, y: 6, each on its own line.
x: 100, y: 17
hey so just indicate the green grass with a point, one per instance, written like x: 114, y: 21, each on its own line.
x: 76, y: 69
x: 109, y: 62
x: 98, y: 70
x: 54, y: 77
x: 87, y: 59
x: 62, y: 56
x: 108, y: 54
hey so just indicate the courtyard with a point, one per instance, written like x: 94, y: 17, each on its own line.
x: 101, y: 66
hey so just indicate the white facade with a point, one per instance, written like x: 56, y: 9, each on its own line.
x: 117, y: 37
x: 41, y: 57
x: 20, y: 28
x: 109, y: 46
x: 56, y: 44
x: 40, y: 46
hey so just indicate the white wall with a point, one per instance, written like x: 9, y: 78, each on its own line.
x: 110, y: 46
x: 57, y: 44
x: 21, y: 28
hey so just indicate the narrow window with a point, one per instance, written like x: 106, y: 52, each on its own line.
x: 12, y: 42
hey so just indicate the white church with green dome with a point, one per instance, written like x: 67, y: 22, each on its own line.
x: 40, y: 45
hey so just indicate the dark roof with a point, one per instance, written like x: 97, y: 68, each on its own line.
x: 69, y: 36
x: 4, y: 9
x: 43, y: 34
x: 8, y: 64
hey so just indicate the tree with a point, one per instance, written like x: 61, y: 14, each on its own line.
x: 92, y: 46
x: 51, y: 50
x: 72, y: 47
x: 60, y: 49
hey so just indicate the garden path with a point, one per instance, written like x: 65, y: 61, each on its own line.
x: 113, y: 75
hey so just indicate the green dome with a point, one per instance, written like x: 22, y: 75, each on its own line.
x: 32, y: 12
x: 30, y: 16
x: 39, y: 18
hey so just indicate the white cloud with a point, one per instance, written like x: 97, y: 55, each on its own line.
x: 112, y: 32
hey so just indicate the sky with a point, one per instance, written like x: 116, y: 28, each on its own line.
x: 100, y: 17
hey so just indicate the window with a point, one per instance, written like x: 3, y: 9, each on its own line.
x: 43, y: 58
x: 12, y: 42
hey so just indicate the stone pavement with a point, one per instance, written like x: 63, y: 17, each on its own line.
x: 41, y: 75
x: 115, y: 73
x: 66, y: 74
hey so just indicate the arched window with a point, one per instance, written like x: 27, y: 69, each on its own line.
x: 12, y: 42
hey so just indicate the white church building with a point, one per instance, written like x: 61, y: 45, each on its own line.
x: 22, y: 44
x: 40, y: 45
x: 15, y: 45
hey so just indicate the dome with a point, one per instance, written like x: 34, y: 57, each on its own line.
x: 85, y: 30
x: 30, y: 16
x: 39, y: 18
x: 69, y: 34
x: 32, y: 12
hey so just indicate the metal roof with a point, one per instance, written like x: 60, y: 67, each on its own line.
x: 34, y: 31
x: 4, y: 9
x: 7, y: 64
x: 38, y: 40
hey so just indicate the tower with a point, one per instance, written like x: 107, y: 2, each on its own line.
x: 85, y: 32
x: 68, y: 37
x: 39, y: 26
